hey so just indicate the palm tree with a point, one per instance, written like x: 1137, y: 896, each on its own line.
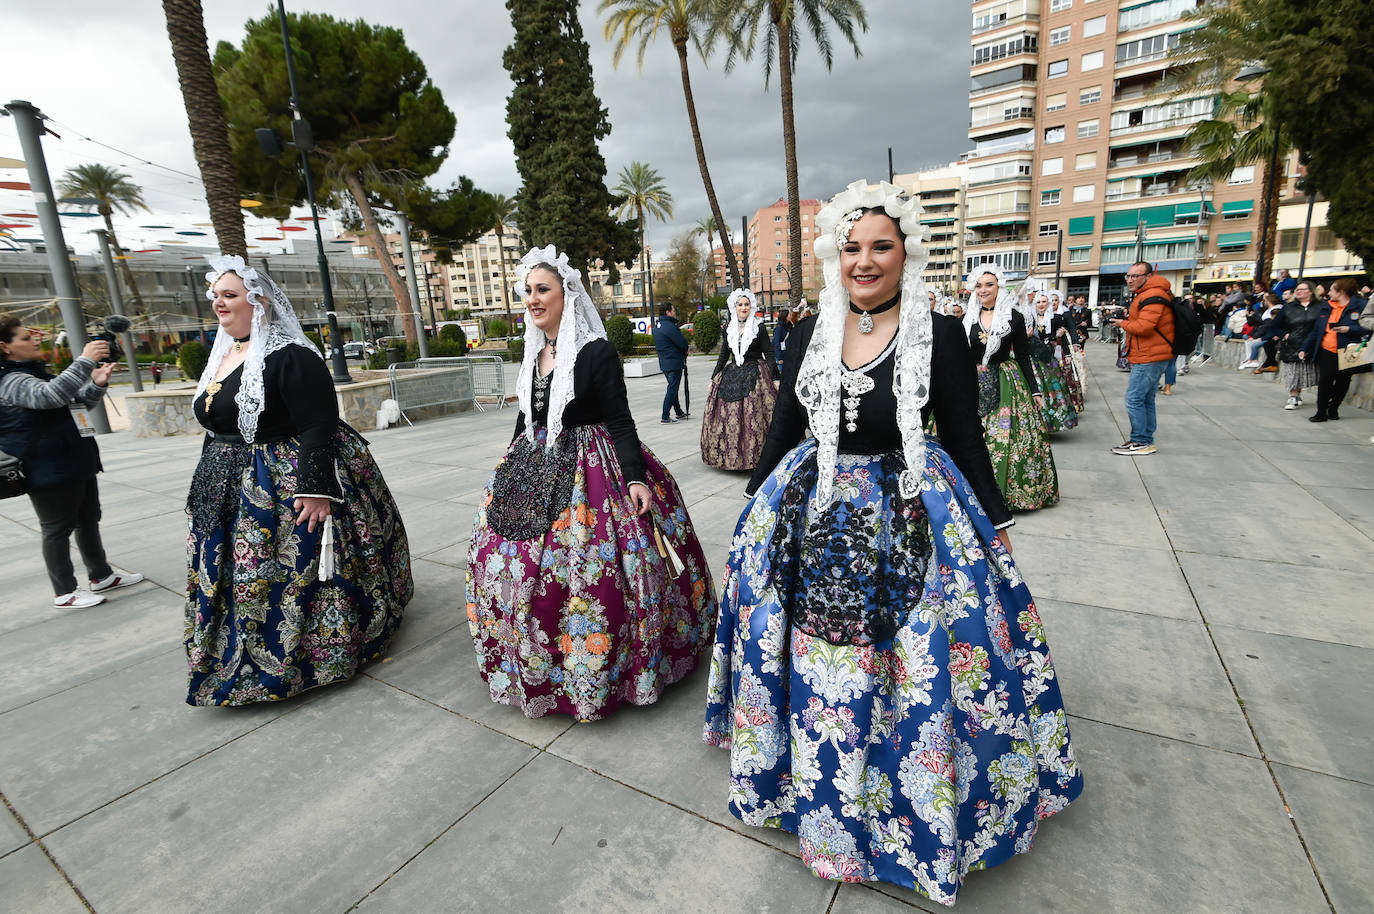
x: 112, y: 190
x: 503, y: 209
x: 205, y: 116
x: 643, y: 190
x: 738, y: 22
x: 685, y: 19
x: 710, y: 228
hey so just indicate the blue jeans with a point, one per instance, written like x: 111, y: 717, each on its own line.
x: 674, y: 377
x: 1171, y: 372
x: 1140, y: 399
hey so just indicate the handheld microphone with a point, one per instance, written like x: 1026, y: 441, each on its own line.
x: 114, y: 325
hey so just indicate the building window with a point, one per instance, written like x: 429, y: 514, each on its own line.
x: 1079, y: 255
x: 1061, y: 35
x: 1059, y: 68
x: 1049, y: 198
x: 1087, y: 129
x: 1148, y: 14
x: 1054, y: 135
x: 1096, y: 26
x: 1049, y: 228
x: 1084, y: 161
x: 1092, y: 61
x: 1046, y: 258
x: 1090, y: 96
x: 1052, y: 166
x: 1010, y: 47
x: 1245, y: 174
x: 1084, y: 193
x: 1057, y: 102
x: 1057, y: 6
x: 1125, y: 189
x: 1156, y: 47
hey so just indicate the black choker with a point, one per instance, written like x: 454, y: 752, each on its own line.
x: 238, y: 343
x: 866, y: 317
x: 981, y: 308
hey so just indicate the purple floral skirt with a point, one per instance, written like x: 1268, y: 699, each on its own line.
x: 590, y: 614
x: 733, y: 430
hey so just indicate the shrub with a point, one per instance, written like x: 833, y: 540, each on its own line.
x: 314, y: 337
x: 516, y: 348
x: 191, y: 359
x: 621, y: 333
x: 706, y: 331
x: 452, y: 333
x: 497, y: 327
x: 644, y: 339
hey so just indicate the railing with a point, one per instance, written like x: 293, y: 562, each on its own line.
x: 1159, y: 125
x: 470, y: 380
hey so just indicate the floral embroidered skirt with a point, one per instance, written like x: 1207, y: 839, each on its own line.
x: 588, y: 614
x: 882, y: 680
x: 1017, y: 440
x: 1059, y: 411
x: 1072, y: 369
x: 739, y: 409
x: 260, y: 625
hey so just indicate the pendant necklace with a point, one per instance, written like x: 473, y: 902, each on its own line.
x: 983, y: 334
x: 238, y: 342
x: 866, y: 317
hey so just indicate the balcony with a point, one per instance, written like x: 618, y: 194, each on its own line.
x: 994, y: 25
x: 1184, y: 121
x: 1154, y: 158
x: 1005, y: 87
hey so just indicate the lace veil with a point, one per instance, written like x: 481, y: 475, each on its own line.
x: 1001, y: 315
x: 818, y: 379
x: 1037, y: 320
x: 274, y: 327
x: 741, y: 335
x: 579, y: 326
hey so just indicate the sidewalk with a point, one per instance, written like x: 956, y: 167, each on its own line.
x: 1209, y: 609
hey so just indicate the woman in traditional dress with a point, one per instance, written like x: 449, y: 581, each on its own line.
x: 1009, y: 399
x: 299, y: 565
x: 1069, y: 350
x: 586, y: 586
x: 743, y: 390
x: 880, y: 672
x: 1048, y: 333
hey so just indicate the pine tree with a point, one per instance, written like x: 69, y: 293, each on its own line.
x: 556, y: 122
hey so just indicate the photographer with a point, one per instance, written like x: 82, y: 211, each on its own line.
x: 1149, y: 329
x: 60, y: 462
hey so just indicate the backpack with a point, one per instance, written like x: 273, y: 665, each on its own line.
x: 1187, y: 324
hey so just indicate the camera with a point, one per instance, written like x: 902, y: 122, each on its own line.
x: 115, y: 324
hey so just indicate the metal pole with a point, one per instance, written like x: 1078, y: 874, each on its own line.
x: 649, y: 278
x: 744, y: 246
x: 29, y: 125
x: 891, y: 175
x: 1197, y: 239
x: 1306, y: 229
x: 1058, y: 257
x: 117, y: 306
x: 301, y: 132
x: 1270, y: 186
x: 429, y: 297
x: 414, y: 287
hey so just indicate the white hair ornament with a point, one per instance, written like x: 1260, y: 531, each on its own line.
x: 739, y: 334
x: 1001, y: 315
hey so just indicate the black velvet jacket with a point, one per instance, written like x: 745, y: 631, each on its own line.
x: 1057, y: 323
x: 300, y: 404
x: 953, y: 401
x: 599, y: 397
x: 760, y: 348
x: 1016, y: 342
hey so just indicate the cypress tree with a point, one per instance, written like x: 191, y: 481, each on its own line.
x: 556, y: 121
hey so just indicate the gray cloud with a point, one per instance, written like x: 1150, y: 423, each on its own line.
x: 106, y: 70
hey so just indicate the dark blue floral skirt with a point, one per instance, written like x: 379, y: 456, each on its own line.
x: 260, y: 625
x: 882, y: 680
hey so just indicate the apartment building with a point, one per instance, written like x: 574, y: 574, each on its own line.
x: 769, y: 253
x: 476, y: 277
x: 720, y: 270
x: 942, y: 192
x: 1079, y: 162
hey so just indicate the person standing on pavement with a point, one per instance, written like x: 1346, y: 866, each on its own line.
x: 60, y: 461
x: 739, y: 406
x: 1336, y: 327
x: 672, y: 360
x: 1292, y: 325
x: 1149, y: 329
x: 156, y: 371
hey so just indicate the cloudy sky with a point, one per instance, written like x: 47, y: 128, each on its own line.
x: 104, y: 71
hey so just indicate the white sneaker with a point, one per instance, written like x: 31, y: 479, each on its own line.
x: 1250, y: 364
x: 117, y: 578
x: 1292, y: 403
x: 78, y: 599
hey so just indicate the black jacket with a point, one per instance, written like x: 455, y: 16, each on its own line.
x: 760, y: 348
x: 47, y: 440
x: 953, y: 401
x: 599, y: 397
x: 1349, y: 318
x: 1015, y: 343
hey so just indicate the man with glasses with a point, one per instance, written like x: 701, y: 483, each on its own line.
x: 1149, y: 329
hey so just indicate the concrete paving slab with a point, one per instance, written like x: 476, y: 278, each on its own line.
x: 1122, y: 522
x: 857, y: 898
x: 82, y: 748
x: 34, y: 886
x: 1354, y: 506
x: 1301, y: 697
x: 1332, y: 815
x: 12, y: 834
x: 1102, y: 574
x: 1344, y: 474
x: 82, y: 645
x: 1152, y: 809
x: 1110, y: 663
x: 443, y: 671
x: 435, y: 608
x: 307, y: 813
x: 583, y: 839
x: 1278, y: 598
x: 435, y: 526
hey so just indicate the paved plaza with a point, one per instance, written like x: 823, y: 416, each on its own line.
x: 1208, y: 607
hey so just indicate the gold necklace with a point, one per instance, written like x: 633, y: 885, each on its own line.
x: 210, y: 390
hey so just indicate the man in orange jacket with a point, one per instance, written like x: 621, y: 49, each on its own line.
x: 1149, y: 329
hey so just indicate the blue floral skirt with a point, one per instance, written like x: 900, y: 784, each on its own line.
x: 260, y: 625
x: 881, y: 678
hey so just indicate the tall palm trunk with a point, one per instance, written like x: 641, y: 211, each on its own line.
x: 377, y: 241
x: 139, y: 308
x: 505, y: 281
x: 643, y: 265
x: 205, y: 117
x: 680, y: 42
x: 1273, y: 185
x: 789, y: 142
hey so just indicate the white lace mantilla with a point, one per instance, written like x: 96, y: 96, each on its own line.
x: 274, y: 327
x: 820, y: 378
x: 740, y: 334
x: 579, y: 326
x: 1001, y: 315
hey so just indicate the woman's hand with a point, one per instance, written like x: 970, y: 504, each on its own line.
x: 101, y: 374
x: 1302, y: 356
x: 96, y: 350
x: 1005, y: 536
x: 639, y: 497
x: 311, y: 511
x: 1039, y: 399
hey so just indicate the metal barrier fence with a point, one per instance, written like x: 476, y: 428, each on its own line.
x: 441, y: 381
